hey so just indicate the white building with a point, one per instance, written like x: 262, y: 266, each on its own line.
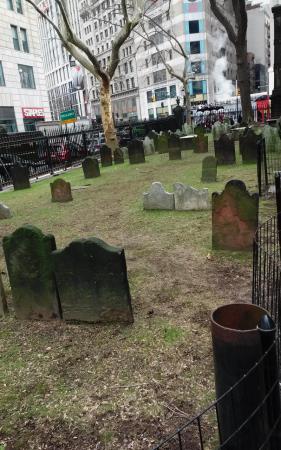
x: 23, y: 94
x: 58, y: 67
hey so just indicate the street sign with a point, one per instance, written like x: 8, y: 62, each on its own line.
x: 68, y: 116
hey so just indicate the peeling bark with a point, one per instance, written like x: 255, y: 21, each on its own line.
x: 106, y: 115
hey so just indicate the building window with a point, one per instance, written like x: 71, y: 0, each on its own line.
x: 194, y: 47
x: 159, y: 76
x: 2, y: 79
x: 149, y: 97
x: 160, y: 94
x: 15, y: 37
x: 10, y: 5
x: 151, y: 113
x: 198, y: 87
x: 26, y: 77
x: 133, y: 82
x: 19, y: 6
x: 173, y: 91
x: 196, y: 67
x: 193, y: 26
x: 24, y: 42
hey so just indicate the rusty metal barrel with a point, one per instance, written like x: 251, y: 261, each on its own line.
x: 241, y: 334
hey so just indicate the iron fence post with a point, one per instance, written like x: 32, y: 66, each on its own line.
x: 50, y: 162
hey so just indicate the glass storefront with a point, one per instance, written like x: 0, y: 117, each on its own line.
x: 8, y: 119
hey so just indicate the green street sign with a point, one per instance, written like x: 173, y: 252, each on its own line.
x: 68, y: 116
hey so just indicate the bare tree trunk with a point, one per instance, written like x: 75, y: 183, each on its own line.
x: 106, y: 116
x: 187, y: 103
x: 243, y: 78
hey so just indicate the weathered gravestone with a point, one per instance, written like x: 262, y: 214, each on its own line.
x: 20, y: 177
x: 125, y: 152
x: 187, y: 198
x: 106, y: 156
x: 61, y: 191
x: 209, y: 170
x: 188, y: 142
x: 28, y: 258
x: 3, y: 301
x: 225, y: 150
x: 154, y: 136
x: 148, y: 145
x: 5, y: 212
x: 248, y: 146
x: 90, y: 167
x: 187, y: 129
x: 136, y: 152
x: 218, y: 130
x: 234, y: 217
x: 158, y: 198
x: 174, y: 146
x: 118, y: 156
x: 92, y: 282
x: 162, y: 143
x: 201, y: 141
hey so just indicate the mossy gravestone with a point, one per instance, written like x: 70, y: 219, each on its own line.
x: 136, y: 152
x: 28, y: 258
x: 225, y: 150
x: 92, y: 282
x: 209, y: 170
x: 106, y: 156
x: 118, y: 156
x: 20, y: 177
x: 61, y: 191
x: 162, y: 143
x: 234, y: 217
x: 3, y: 301
x: 248, y: 146
x: 201, y: 141
x: 90, y: 167
x: 174, y: 147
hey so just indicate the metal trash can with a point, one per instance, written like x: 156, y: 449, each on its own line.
x: 241, y: 334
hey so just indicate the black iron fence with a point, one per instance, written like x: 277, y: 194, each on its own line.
x: 268, y: 163
x: 258, y: 431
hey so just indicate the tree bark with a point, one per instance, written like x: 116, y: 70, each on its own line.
x: 187, y: 103
x: 106, y: 116
x: 243, y: 78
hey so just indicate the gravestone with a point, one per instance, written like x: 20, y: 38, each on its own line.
x: 3, y: 300
x: 125, y: 152
x: 90, y: 167
x: 162, y: 143
x: 20, y: 177
x: 188, y: 199
x: 174, y: 146
x: 248, y: 146
x: 187, y: 129
x: 225, y: 150
x: 148, y: 145
x: 234, y: 217
x: 188, y: 142
x: 61, y: 191
x: 201, y: 141
x: 209, y: 170
x: 154, y: 136
x: 28, y: 258
x: 118, y: 156
x: 5, y: 212
x: 272, y: 139
x: 158, y: 198
x: 136, y: 152
x: 106, y: 156
x: 92, y: 282
x: 218, y: 130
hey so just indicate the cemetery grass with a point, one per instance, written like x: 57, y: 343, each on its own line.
x: 84, y: 386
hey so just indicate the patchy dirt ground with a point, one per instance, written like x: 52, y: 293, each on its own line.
x: 84, y: 386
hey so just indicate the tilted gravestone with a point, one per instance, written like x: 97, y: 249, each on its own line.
x: 174, y: 146
x: 248, y: 146
x: 90, y: 167
x: 148, y: 145
x: 118, y: 156
x: 234, y: 217
x: 158, y: 198
x: 188, y: 199
x: 162, y: 143
x: 61, y: 191
x: 201, y: 141
x: 225, y: 150
x: 28, y: 258
x: 106, y: 156
x: 92, y: 282
x: 20, y: 177
x: 5, y: 212
x: 136, y: 152
x: 3, y: 300
x: 209, y: 169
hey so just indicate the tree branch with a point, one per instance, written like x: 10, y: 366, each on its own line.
x: 224, y: 21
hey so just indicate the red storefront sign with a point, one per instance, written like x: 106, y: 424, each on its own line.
x: 33, y: 113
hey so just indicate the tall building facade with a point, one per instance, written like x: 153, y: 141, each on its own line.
x: 101, y: 21
x: 23, y: 94
x: 60, y: 69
